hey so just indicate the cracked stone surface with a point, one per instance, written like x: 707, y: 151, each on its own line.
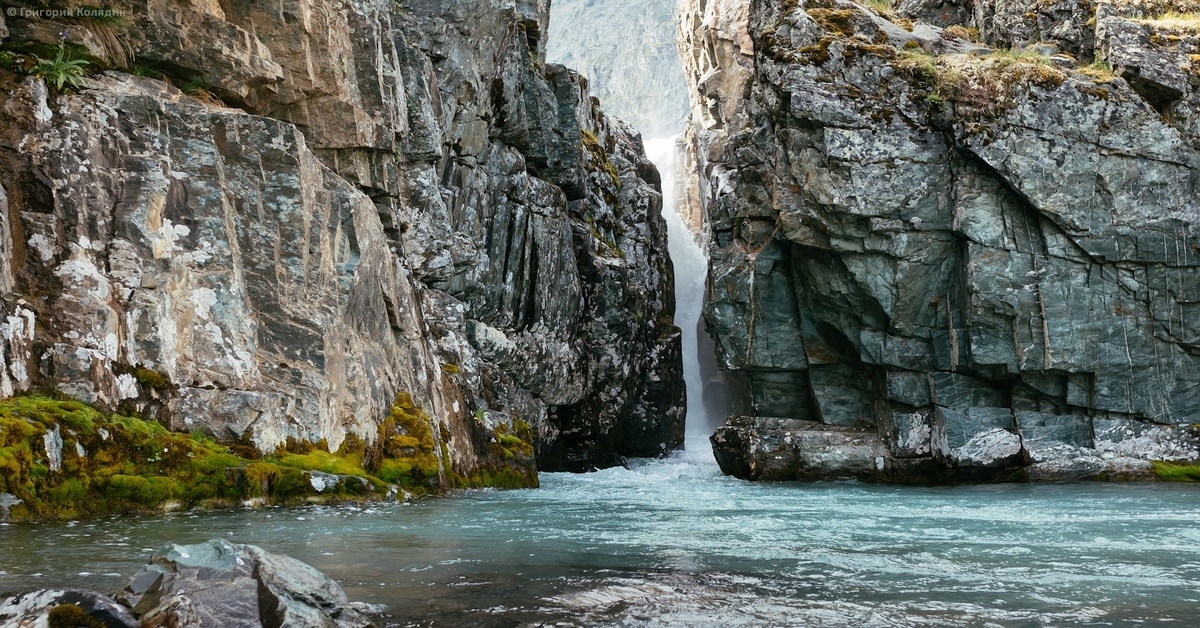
x: 987, y: 261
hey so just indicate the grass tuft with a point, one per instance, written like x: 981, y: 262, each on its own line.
x: 1099, y: 70
x: 1175, y: 20
x: 1176, y: 472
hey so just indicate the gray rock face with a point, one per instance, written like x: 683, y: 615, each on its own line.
x: 982, y: 259
x: 627, y: 50
x: 431, y: 209
x: 219, y: 584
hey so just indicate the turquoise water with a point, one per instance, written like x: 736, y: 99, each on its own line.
x: 672, y: 543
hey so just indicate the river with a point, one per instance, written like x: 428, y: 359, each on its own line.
x: 673, y: 543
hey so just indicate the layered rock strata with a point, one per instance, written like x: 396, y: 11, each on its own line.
x: 939, y: 258
x: 263, y: 222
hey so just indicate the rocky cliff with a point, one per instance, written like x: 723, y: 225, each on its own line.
x: 266, y: 221
x: 951, y: 240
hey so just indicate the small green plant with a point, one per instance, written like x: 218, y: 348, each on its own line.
x: 145, y: 71
x: 193, y: 85
x: 62, y: 71
x: 7, y: 60
x: 1099, y: 70
x: 152, y: 379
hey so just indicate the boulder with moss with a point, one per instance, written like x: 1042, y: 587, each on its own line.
x: 983, y: 257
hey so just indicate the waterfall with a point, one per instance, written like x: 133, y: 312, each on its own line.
x: 705, y: 403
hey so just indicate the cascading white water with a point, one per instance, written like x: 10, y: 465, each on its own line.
x: 691, y: 270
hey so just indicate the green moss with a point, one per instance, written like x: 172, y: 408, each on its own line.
x: 817, y: 53
x: 840, y: 21
x: 325, y: 462
x: 450, y: 368
x: 512, y: 461
x: 138, y: 491
x: 152, y: 379
x: 408, y: 453
x: 133, y: 465
x: 600, y: 157
x: 961, y: 31
x: 504, y: 477
x: 1176, y: 472
x: 71, y: 616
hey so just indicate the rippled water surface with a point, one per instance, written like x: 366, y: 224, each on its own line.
x: 674, y: 543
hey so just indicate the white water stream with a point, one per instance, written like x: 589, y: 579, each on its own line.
x: 691, y: 271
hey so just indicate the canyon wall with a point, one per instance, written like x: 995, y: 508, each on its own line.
x: 263, y: 221
x: 952, y: 240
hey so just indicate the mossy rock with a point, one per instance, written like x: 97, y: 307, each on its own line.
x: 1176, y: 472
x: 113, y: 463
x: 72, y: 616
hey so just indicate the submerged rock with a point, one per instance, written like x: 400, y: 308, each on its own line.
x: 984, y: 258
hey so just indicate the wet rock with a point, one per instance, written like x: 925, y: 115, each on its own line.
x: 64, y: 607
x: 7, y: 501
x: 765, y: 448
x: 985, y: 258
x: 221, y: 584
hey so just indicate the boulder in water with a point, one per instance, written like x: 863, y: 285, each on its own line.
x: 220, y: 584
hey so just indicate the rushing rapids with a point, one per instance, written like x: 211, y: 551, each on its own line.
x: 675, y: 543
